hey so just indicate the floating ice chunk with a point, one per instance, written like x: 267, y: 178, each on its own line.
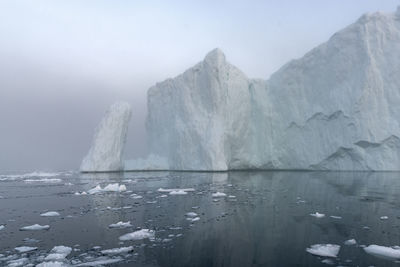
x: 195, y: 219
x: 335, y: 217
x: 43, y: 180
x: 80, y: 194
x: 120, y: 225
x: 318, y: 215
x: 324, y: 250
x: 109, y: 188
x: 384, y: 217
x: 24, y: 249
x: 52, y: 264
x: 50, y: 214
x: 35, y: 227
x: 100, y: 261
x: 138, y: 235
x: 136, y: 196
x: 328, y: 261
x: 191, y: 214
x: 219, y: 194
x: 383, y: 252
x: 2, y: 227
x: 350, y: 242
x: 231, y: 196
x: 58, y: 253
x: 115, y: 251
x: 178, y: 192
x: 18, y: 262
x: 175, y: 189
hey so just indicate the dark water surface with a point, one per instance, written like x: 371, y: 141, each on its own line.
x: 265, y: 222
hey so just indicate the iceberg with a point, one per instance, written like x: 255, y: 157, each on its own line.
x: 106, y: 152
x: 336, y: 108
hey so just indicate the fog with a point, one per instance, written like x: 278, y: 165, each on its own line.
x: 62, y: 63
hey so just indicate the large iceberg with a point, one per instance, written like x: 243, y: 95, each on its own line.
x: 336, y: 108
x: 106, y: 152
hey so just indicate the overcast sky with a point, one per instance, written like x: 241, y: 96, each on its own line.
x: 62, y: 63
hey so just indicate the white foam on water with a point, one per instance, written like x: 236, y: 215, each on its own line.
x: 138, y: 235
x: 50, y: 214
x: 324, y: 250
x: 120, y: 225
x: 318, y: 215
x: 35, y: 227
x: 383, y: 252
x: 115, y: 251
x: 24, y: 249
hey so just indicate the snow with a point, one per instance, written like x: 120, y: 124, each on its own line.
x: 383, y: 252
x: 115, y: 251
x: 109, y: 141
x: 58, y: 253
x: 121, y: 225
x: 324, y: 250
x: 219, y: 194
x: 35, y: 227
x: 336, y: 108
x: 318, y: 215
x: 50, y: 214
x: 109, y: 188
x: 350, y: 242
x: 138, y: 235
x: 24, y: 249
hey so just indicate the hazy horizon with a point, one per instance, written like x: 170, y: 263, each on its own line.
x: 64, y: 63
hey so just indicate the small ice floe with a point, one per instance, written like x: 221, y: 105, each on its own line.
x: 318, y: 215
x: 43, y: 180
x: 178, y: 193
x: 136, y: 196
x: 175, y: 228
x: 115, y: 251
x: 50, y: 214
x: 350, y: 242
x: 175, y: 189
x: 328, y: 261
x: 2, y: 227
x: 80, y: 193
x: 324, y: 250
x: 100, y: 261
x: 151, y: 202
x: 162, y: 196
x: 191, y: 214
x: 384, y: 217
x: 68, y: 184
x: 35, y: 227
x: 30, y: 240
x: 336, y: 217
x: 18, y: 262
x: 24, y: 249
x: 109, y: 188
x: 383, y: 252
x: 219, y: 194
x: 58, y: 253
x: 52, y: 264
x: 194, y: 219
x: 120, y: 225
x: 231, y: 196
x: 138, y: 235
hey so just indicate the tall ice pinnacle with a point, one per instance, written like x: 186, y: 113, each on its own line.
x: 109, y: 141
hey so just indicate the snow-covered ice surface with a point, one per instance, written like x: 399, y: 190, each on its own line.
x: 336, y: 108
x: 262, y: 225
x: 106, y: 152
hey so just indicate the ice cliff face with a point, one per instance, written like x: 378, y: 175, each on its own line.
x: 336, y: 108
x: 109, y: 141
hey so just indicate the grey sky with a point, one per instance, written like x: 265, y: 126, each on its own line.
x: 62, y: 63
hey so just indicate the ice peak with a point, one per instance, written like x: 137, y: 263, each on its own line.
x: 215, y: 56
